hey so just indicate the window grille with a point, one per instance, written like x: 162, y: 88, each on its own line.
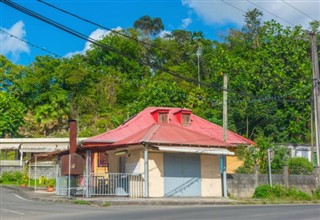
x: 103, y: 159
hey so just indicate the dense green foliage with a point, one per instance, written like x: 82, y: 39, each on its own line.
x: 299, y: 165
x: 11, y: 177
x: 257, y: 156
x: 268, y: 67
x: 280, y: 192
x: 316, y: 193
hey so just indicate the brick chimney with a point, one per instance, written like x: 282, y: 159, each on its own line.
x: 72, y: 136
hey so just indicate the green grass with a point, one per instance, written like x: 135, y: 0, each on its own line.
x: 81, y: 202
x: 106, y: 204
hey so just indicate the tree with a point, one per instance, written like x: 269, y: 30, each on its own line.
x: 299, y: 165
x: 257, y: 155
x: 252, y: 25
x: 11, y: 115
x: 148, y: 25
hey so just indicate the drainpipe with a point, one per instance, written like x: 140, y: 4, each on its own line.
x: 223, y: 171
x: 146, y: 173
x: 87, y: 174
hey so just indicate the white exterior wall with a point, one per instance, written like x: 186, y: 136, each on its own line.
x: 156, y: 180
x: 210, y: 176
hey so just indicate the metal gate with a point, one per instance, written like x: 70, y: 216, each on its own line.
x: 116, y: 184
x: 182, y: 175
x: 107, y: 184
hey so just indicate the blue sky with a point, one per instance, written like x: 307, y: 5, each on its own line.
x: 212, y: 17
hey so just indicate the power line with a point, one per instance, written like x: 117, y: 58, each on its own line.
x: 109, y: 48
x: 97, y: 43
x: 228, y: 3
x: 271, y: 13
x: 124, y: 35
x: 299, y: 10
x: 101, y: 26
x: 31, y: 44
x: 277, y: 98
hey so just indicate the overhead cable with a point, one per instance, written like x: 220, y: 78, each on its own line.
x: 31, y: 44
x: 271, y: 13
x: 101, y: 26
x: 299, y: 10
x: 233, y: 6
x: 97, y: 43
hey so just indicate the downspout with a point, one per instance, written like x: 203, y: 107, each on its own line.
x: 87, y: 174
x: 146, y: 172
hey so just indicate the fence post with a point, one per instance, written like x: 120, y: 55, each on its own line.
x: 286, y: 176
x: 256, y: 176
x: 317, y: 176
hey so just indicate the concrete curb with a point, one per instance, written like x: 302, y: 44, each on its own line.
x: 28, y: 193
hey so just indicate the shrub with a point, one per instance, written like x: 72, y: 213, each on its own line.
x: 280, y: 192
x: 316, y: 193
x: 262, y: 192
x: 295, y: 194
x: 299, y: 165
x: 12, y: 177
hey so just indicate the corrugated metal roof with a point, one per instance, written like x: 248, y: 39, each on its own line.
x: 145, y: 119
x: 9, y: 146
x: 196, y: 150
x: 36, y: 140
x: 43, y: 147
x: 170, y: 134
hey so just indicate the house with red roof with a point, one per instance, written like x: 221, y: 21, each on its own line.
x: 176, y: 154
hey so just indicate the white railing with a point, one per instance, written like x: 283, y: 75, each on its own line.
x: 107, y: 184
x: 116, y: 184
x: 10, y: 162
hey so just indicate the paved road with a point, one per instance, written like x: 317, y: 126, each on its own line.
x: 12, y: 206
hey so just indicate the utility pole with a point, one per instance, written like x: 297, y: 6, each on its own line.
x: 270, y: 158
x: 225, y: 129
x: 199, y: 51
x: 225, y: 106
x: 316, y: 98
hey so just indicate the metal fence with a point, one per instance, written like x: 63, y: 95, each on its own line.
x: 109, y: 184
x: 75, y: 186
x: 116, y: 184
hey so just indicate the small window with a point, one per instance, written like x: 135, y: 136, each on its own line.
x: 163, y: 117
x: 186, y: 119
x: 103, y: 159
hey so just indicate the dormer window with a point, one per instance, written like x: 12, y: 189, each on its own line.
x: 163, y: 117
x: 186, y: 119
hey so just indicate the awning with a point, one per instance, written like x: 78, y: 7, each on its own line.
x: 43, y: 147
x: 9, y: 146
x: 196, y: 150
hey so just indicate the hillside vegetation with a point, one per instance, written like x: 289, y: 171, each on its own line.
x: 268, y: 66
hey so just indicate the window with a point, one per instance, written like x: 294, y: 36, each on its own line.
x: 163, y: 117
x: 186, y: 119
x: 103, y: 159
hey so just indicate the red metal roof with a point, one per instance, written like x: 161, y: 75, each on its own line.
x: 144, y: 120
x: 168, y: 134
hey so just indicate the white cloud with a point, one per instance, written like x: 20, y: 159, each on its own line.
x: 186, y: 22
x: 220, y: 12
x: 95, y: 35
x: 164, y: 33
x: 10, y: 45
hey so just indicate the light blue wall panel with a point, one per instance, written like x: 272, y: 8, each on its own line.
x: 182, y: 175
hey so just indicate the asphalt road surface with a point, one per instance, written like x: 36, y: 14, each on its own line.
x: 13, y: 206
